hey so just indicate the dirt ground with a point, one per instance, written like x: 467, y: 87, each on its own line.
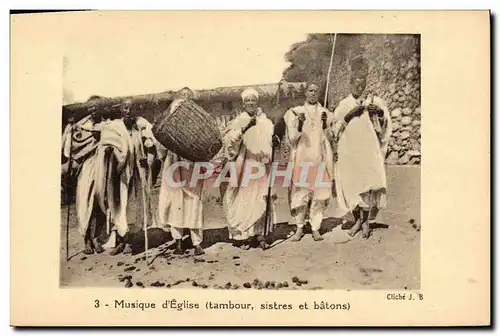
x: 390, y: 259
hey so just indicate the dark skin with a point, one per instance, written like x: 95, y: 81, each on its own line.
x: 312, y: 95
x: 250, y: 106
x: 358, y: 86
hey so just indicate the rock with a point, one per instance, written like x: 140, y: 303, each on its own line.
x: 416, y: 123
x: 417, y: 111
x: 392, y: 158
x: 401, y: 93
x: 128, y: 284
x: 295, y: 279
x: 247, y: 285
x: 395, y: 126
x: 406, y: 111
x: 401, y: 99
x: 413, y: 153
x: 405, y: 121
x: 392, y: 88
x: 396, y: 147
x: 139, y: 284
x: 414, y: 160
x: 403, y: 160
x: 285, y: 284
x: 404, y: 135
x: 130, y: 268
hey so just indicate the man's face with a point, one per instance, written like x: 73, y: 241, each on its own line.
x: 186, y: 94
x: 312, y: 94
x: 250, y: 104
x: 358, y: 84
x: 126, y: 108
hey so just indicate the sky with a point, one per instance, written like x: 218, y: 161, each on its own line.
x: 129, y: 61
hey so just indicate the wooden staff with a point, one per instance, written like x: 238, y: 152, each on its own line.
x: 268, y: 224
x: 145, y: 219
x: 108, y: 210
x: 330, y: 69
x: 68, y: 193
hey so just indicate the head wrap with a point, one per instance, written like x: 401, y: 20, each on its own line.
x: 313, y: 82
x: 359, y: 65
x: 250, y: 92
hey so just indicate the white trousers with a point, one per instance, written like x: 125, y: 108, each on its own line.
x: 315, y: 215
x: 196, y: 234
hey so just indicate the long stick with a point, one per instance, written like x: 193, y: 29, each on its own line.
x: 68, y: 193
x: 108, y: 210
x: 330, y: 69
x: 145, y: 221
x: 267, y: 225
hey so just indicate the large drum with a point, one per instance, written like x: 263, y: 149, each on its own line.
x: 188, y: 131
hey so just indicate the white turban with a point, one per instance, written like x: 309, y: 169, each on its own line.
x: 248, y: 93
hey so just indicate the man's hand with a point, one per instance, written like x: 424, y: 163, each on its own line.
x: 323, y: 119
x: 143, y: 162
x: 355, y: 112
x: 374, y: 110
x: 302, y: 118
x: 275, y: 141
x: 251, y: 123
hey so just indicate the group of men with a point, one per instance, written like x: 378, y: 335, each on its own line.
x: 349, y: 142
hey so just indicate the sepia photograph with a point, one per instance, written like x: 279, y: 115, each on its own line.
x: 308, y: 181
x: 250, y: 168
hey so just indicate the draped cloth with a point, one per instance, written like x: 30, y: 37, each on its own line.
x: 105, y: 177
x: 311, y: 146
x: 179, y: 207
x: 360, y: 178
x: 245, y: 205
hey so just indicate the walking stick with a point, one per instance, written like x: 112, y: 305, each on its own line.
x: 145, y: 219
x: 68, y: 182
x: 330, y: 69
x: 267, y: 226
x: 108, y: 210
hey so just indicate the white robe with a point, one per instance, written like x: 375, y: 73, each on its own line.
x: 359, y: 172
x: 245, y: 206
x: 312, y: 145
x: 101, y: 174
x: 179, y: 207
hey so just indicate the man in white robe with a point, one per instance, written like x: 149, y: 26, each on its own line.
x: 363, y: 129
x: 247, y: 141
x: 307, y: 133
x: 113, y: 154
x: 179, y: 207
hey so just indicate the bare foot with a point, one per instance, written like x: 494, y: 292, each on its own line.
x: 118, y: 249
x: 366, y: 230
x: 89, y: 249
x: 298, y: 235
x: 317, y: 236
x: 263, y: 245
x: 355, y: 229
x: 98, y: 246
x: 178, y: 249
x: 127, y: 249
x: 198, y: 250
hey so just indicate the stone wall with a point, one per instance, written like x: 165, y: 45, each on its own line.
x: 395, y: 76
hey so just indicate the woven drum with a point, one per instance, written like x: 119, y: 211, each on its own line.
x: 188, y: 131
